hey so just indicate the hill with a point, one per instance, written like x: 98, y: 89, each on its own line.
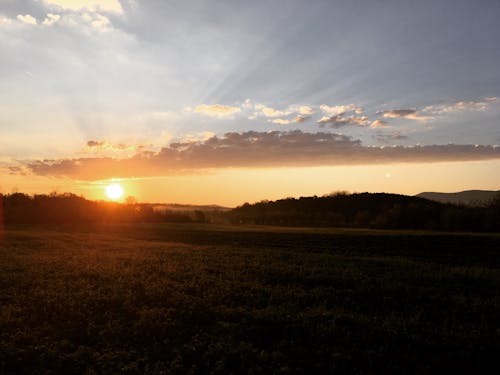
x: 468, y: 197
x: 368, y: 210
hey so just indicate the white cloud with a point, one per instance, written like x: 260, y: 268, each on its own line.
x: 340, y: 109
x: 27, y: 18
x: 280, y: 121
x: 305, y: 110
x: 271, y: 112
x: 51, y: 19
x: 4, y: 21
x: 110, y: 6
x: 216, y: 110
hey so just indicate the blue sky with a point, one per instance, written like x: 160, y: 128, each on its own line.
x: 126, y: 79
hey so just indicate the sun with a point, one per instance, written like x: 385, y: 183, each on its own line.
x: 114, y: 191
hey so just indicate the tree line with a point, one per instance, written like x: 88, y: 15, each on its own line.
x: 370, y: 210
x: 363, y: 210
x: 67, y: 208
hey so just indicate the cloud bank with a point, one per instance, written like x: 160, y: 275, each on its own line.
x: 256, y: 150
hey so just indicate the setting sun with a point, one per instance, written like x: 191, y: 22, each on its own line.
x: 114, y: 191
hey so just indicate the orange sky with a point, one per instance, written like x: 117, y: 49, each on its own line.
x: 234, y: 186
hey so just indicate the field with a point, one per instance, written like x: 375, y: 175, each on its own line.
x: 161, y: 298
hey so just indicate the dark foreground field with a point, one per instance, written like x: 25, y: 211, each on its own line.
x: 207, y: 299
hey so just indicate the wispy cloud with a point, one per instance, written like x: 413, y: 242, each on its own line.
x: 410, y: 114
x: 479, y: 105
x: 257, y: 149
x: 283, y: 121
x: 216, y: 110
x: 114, y: 149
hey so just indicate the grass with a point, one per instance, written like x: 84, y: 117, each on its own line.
x: 181, y: 299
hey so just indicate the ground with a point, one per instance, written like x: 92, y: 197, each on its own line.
x: 164, y: 298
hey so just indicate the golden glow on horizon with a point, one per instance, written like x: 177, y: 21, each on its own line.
x: 114, y: 191
x: 233, y: 186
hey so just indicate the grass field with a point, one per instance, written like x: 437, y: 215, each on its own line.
x: 158, y: 298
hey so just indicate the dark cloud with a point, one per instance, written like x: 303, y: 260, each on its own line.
x: 256, y: 149
x: 95, y: 143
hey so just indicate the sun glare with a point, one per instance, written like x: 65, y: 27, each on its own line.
x: 114, y: 191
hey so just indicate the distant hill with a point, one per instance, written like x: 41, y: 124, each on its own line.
x: 469, y: 197
x: 368, y: 210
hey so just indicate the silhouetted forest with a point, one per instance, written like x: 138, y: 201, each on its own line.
x: 364, y: 210
x: 370, y: 210
x: 19, y: 208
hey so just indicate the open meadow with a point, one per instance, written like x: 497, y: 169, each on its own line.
x: 190, y: 298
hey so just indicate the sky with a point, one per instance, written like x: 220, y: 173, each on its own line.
x: 226, y: 102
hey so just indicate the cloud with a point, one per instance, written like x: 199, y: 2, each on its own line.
x: 97, y: 21
x: 410, y: 114
x: 216, y: 110
x: 110, y: 6
x: 301, y: 118
x: 479, y: 105
x: 379, y: 124
x: 337, y: 121
x: 340, y: 109
x: 198, y: 137
x: 387, y: 138
x: 256, y: 149
x: 51, y: 19
x: 4, y: 21
x: 85, y: 20
x: 27, y: 19
x: 104, y: 147
x: 280, y: 121
x: 271, y: 112
x: 305, y: 110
